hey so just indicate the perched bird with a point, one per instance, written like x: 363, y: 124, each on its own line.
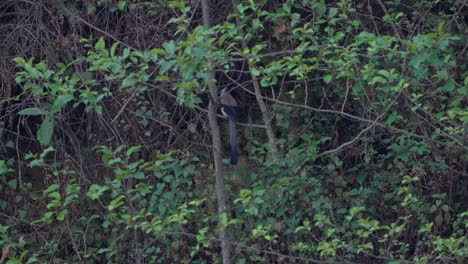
x: 230, y: 109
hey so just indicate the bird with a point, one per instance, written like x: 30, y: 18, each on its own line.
x: 230, y: 109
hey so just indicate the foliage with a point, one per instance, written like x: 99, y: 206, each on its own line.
x: 110, y: 158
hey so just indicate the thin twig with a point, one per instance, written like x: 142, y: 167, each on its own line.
x: 354, y: 139
x: 125, y: 105
x: 394, y: 28
x: 77, y: 18
x: 75, y: 247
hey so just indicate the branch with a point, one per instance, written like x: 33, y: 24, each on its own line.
x: 79, y: 19
x: 356, y: 138
x: 394, y: 28
x: 353, y: 117
x: 258, y: 92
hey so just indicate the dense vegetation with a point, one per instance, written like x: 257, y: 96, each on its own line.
x: 352, y: 135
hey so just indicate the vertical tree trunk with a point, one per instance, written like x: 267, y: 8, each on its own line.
x: 220, y: 188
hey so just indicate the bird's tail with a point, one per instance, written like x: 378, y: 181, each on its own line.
x: 232, y: 142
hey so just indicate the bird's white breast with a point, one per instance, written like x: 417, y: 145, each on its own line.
x: 224, y: 113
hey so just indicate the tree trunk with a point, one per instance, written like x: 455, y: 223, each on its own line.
x: 220, y: 188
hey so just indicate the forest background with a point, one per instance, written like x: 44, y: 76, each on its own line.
x: 352, y: 134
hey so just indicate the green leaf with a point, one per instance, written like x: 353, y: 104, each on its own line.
x: 327, y: 78
x: 22, y: 214
x: 3, y: 167
x: 166, y: 65
x: 113, y: 48
x: 44, y: 134
x: 90, y: 9
x: 132, y: 150
x: 51, y: 188
x: 332, y: 12
x: 364, y: 37
x: 157, y: 52
x: 256, y: 23
x: 10, y: 144
x: 100, y: 44
x: 47, y: 151
x: 12, y: 184
x: 54, y: 195
x: 95, y: 191
x: 170, y: 47
x: 14, y: 261
x: 20, y: 61
x: 33, y: 111
x: 18, y: 198
x: 255, y: 71
x: 59, y: 102
x: 125, y: 53
x: 356, y: 210
x: 223, y: 219
x: 122, y: 5
x: 54, y: 203
x: 139, y: 175
x: 117, y: 202
x: 449, y: 87
x: 61, y: 215
x: 154, y: 53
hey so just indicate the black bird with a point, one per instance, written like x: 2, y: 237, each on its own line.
x: 230, y: 109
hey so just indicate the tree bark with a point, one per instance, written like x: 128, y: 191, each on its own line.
x: 214, y: 127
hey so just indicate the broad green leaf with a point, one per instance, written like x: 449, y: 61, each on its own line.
x: 154, y: 54
x: 255, y: 71
x: 12, y: 184
x: 327, y: 78
x: 54, y: 203
x: 122, y: 5
x: 113, y: 48
x: 364, y: 37
x: 20, y: 61
x: 54, y: 195
x: 166, y: 65
x: 33, y: 111
x: 44, y: 134
x: 157, y: 52
x: 13, y: 260
x: 332, y: 12
x: 51, y: 188
x: 22, y: 214
x: 125, y: 53
x: 95, y: 191
x: 3, y: 168
x: 117, y: 202
x: 170, y: 47
x: 132, y: 150
x: 139, y: 175
x: 18, y: 198
x: 61, y: 215
x: 100, y: 44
